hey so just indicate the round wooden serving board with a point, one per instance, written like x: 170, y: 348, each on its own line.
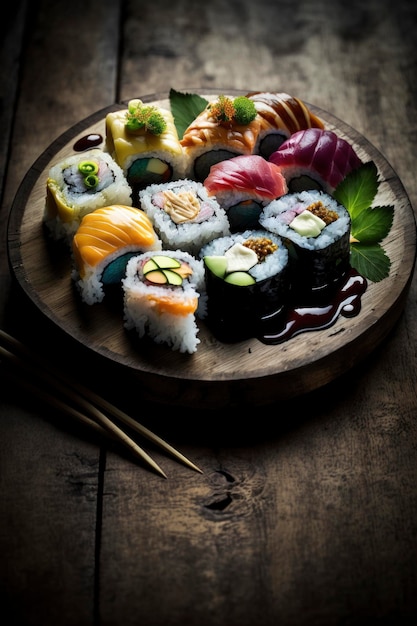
x: 218, y: 374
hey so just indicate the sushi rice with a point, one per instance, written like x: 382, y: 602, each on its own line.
x: 208, y: 221
x: 68, y: 198
x: 166, y: 313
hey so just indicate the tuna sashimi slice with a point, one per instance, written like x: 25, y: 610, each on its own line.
x: 251, y: 174
x: 326, y: 156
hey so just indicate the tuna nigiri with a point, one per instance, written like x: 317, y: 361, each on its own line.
x: 243, y: 185
x: 104, y: 242
x: 315, y: 159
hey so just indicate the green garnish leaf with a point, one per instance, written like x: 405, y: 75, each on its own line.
x: 369, y: 225
x: 370, y: 261
x: 358, y: 189
x: 372, y: 224
x: 185, y: 107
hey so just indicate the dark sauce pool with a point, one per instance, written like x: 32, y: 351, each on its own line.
x: 345, y: 301
x: 87, y: 142
x: 299, y: 316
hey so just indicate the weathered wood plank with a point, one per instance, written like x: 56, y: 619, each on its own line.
x: 295, y: 521
x: 306, y: 513
x: 49, y: 470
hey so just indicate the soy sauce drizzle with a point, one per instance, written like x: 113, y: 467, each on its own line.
x: 346, y: 301
x: 88, y: 141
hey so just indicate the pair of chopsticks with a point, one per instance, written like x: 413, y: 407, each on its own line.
x: 93, y: 410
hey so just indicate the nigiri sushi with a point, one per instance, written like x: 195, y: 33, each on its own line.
x: 183, y: 215
x: 226, y: 128
x: 104, y: 242
x: 280, y: 115
x: 315, y: 158
x: 144, y: 141
x: 78, y: 185
x: 242, y: 186
x: 162, y: 292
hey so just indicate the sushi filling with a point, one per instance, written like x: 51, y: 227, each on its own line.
x: 203, y: 163
x: 148, y: 171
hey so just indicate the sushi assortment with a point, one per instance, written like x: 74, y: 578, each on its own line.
x: 225, y: 223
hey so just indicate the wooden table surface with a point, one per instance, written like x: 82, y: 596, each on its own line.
x: 306, y: 511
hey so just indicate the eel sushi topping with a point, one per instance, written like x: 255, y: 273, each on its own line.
x: 183, y: 215
x: 225, y: 128
x: 104, y: 242
x: 78, y: 185
x: 247, y: 278
x: 163, y: 294
x: 281, y: 115
x: 144, y: 141
x: 316, y: 230
x: 243, y: 185
x: 315, y: 159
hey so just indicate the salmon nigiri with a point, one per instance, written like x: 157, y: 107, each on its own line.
x: 243, y: 185
x: 315, y: 159
x: 104, y: 242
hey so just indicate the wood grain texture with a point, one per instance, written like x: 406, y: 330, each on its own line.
x: 237, y: 374
x: 306, y: 513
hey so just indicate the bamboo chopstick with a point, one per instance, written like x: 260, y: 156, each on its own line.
x: 88, y: 401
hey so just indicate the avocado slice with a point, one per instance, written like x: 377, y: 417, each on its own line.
x: 241, y: 279
x: 217, y: 265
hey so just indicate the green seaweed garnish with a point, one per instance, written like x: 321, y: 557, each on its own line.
x: 185, y: 107
x: 245, y: 110
x: 141, y: 117
x: 241, y: 110
x: 370, y: 225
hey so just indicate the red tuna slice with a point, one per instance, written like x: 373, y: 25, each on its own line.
x: 250, y: 174
x: 317, y: 153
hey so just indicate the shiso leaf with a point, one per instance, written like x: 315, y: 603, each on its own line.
x: 372, y: 224
x: 370, y: 261
x: 185, y: 107
x: 358, y: 189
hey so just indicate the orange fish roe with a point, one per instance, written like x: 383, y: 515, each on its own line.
x: 262, y: 246
x: 319, y: 210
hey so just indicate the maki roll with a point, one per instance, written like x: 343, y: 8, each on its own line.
x: 144, y: 141
x: 162, y: 292
x: 247, y: 278
x: 226, y: 128
x: 316, y: 230
x: 183, y: 215
x: 315, y: 159
x: 104, y: 242
x: 243, y: 185
x: 280, y: 115
x: 78, y: 185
